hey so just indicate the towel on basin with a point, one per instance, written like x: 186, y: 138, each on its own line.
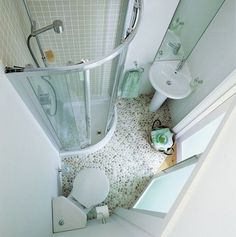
x: 131, y: 83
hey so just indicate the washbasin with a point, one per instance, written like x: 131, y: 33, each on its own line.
x: 165, y: 79
x: 168, y: 82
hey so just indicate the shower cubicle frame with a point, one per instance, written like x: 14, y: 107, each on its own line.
x: 134, y: 11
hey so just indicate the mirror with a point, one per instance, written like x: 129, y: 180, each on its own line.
x: 188, y: 24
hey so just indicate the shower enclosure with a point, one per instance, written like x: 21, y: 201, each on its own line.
x: 73, y: 97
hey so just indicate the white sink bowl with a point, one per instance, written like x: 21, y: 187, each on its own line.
x: 166, y: 80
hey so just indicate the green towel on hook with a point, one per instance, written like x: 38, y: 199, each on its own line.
x: 131, y: 83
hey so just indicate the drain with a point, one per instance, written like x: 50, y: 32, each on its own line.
x: 168, y: 83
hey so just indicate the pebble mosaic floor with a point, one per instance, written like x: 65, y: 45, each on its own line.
x: 128, y: 159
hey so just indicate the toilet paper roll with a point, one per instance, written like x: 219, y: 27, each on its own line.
x: 102, y: 212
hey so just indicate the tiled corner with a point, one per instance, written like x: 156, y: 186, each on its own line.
x: 128, y: 159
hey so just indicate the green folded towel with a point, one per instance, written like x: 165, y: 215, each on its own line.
x: 131, y: 83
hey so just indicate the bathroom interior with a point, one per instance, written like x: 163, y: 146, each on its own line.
x: 88, y: 91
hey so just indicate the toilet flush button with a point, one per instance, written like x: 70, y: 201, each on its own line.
x: 61, y: 222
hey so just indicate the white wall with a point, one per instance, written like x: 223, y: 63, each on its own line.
x: 28, y: 161
x: 212, y: 60
x: 155, y: 20
x: 191, y: 146
x: 28, y: 173
x: 115, y: 227
x: 148, y: 223
x: 208, y: 207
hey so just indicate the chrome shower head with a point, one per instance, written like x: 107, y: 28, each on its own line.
x: 57, y: 26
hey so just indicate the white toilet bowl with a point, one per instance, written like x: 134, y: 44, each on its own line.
x: 90, y: 188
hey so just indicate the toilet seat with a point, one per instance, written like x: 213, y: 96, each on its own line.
x: 91, y: 187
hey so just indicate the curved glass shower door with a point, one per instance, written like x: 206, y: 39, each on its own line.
x: 75, y: 104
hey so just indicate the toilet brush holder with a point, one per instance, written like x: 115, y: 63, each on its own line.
x: 162, y: 138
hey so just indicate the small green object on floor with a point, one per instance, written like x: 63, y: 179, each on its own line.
x: 162, y: 139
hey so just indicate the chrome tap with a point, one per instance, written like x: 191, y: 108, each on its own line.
x: 175, y: 46
x: 180, y: 65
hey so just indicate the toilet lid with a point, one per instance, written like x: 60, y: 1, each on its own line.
x: 91, y: 187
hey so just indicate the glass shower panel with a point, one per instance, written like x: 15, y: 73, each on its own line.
x: 118, y: 65
x: 102, y: 81
x: 76, y: 89
x: 62, y: 99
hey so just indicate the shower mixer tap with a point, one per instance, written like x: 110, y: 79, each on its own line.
x: 175, y: 46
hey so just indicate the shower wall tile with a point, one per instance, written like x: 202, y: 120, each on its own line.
x: 128, y: 159
x: 13, y: 34
x: 91, y: 30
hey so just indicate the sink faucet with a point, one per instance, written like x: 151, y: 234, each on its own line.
x: 180, y: 65
x: 175, y: 47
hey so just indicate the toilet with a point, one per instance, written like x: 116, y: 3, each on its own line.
x: 90, y: 188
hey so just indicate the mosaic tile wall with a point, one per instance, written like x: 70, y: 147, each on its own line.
x: 128, y: 159
x: 91, y: 30
x: 13, y: 34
